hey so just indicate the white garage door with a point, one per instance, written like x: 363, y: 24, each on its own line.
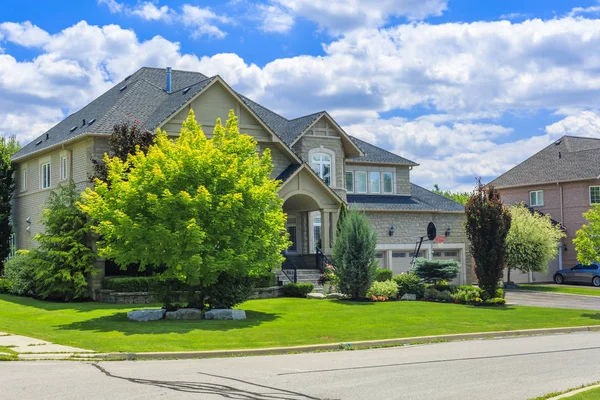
x: 401, y: 261
x: 448, y: 255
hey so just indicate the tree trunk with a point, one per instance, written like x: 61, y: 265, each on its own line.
x: 508, y: 276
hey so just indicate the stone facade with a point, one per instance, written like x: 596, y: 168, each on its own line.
x: 308, y: 143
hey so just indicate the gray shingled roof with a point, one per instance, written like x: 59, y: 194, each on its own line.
x: 377, y: 154
x: 569, y: 158
x: 420, y: 200
x: 140, y: 98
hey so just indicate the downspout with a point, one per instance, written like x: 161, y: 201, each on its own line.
x: 560, y: 249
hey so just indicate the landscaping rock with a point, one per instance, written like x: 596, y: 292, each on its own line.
x: 335, y: 296
x: 409, y: 296
x: 315, y: 296
x: 185, y: 314
x: 225, y: 313
x: 146, y: 315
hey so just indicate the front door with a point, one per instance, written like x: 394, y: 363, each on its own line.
x: 293, y: 235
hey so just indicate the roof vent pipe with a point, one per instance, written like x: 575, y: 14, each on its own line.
x: 168, y: 88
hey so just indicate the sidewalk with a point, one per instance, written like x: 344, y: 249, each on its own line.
x: 30, y: 348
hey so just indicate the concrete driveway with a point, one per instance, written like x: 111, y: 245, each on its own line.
x: 552, y: 300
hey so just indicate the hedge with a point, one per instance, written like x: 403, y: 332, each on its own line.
x: 383, y: 275
x: 297, y: 289
x: 129, y: 284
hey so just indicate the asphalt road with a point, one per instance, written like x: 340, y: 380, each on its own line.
x: 552, y: 300
x: 517, y: 368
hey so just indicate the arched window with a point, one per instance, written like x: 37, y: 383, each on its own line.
x: 322, y: 161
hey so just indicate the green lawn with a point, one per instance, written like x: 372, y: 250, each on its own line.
x: 593, y: 394
x: 272, y: 322
x: 589, y: 291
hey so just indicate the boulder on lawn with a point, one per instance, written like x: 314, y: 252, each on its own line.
x: 146, y: 315
x: 315, y: 296
x: 225, y: 313
x: 335, y: 296
x: 409, y: 296
x: 185, y: 314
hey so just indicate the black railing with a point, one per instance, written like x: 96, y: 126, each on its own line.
x: 322, y: 260
x: 289, y: 269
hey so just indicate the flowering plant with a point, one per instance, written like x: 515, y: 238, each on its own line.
x: 328, y: 276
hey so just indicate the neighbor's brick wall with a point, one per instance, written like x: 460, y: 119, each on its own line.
x: 575, y: 203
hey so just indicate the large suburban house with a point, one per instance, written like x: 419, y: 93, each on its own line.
x: 563, y: 181
x: 319, y: 164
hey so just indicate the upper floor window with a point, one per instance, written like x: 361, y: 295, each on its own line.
x: 375, y: 181
x: 388, y: 182
x: 361, y: 182
x: 594, y: 194
x: 321, y: 164
x: 536, y: 198
x: 64, y: 168
x: 24, y: 178
x: 45, y: 175
x: 350, y: 182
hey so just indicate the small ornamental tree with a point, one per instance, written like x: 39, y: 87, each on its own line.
x: 587, y: 240
x: 341, y: 216
x: 8, y: 147
x: 64, y: 259
x: 487, y: 225
x: 354, y: 255
x: 124, y: 140
x: 431, y: 271
x: 201, y: 208
x: 532, y: 241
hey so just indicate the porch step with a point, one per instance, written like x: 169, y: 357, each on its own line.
x: 304, y: 276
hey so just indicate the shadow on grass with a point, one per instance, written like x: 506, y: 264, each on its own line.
x: 118, y: 322
x: 83, y: 306
x: 591, y: 316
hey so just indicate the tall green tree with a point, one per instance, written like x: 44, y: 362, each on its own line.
x: 459, y: 197
x: 587, y: 240
x: 8, y: 147
x: 354, y: 255
x: 532, y: 241
x: 199, y: 207
x: 341, y: 217
x: 64, y: 258
x: 487, y: 225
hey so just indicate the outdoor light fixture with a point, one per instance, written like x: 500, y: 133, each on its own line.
x: 28, y: 221
x: 391, y: 232
x: 448, y: 232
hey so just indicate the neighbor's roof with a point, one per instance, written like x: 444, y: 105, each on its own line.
x: 378, y: 155
x: 141, y: 99
x: 569, y: 158
x: 420, y: 200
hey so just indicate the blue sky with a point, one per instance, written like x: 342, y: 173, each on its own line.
x: 464, y: 88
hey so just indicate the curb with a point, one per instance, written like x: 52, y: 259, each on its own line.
x: 574, y: 392
x: 339, y: 346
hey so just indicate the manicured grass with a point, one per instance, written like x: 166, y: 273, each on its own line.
x: 272, y: 322
x: 593, y: 394
x: 588, y: 291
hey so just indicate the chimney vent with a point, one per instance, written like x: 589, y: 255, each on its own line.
x: 168, y: 86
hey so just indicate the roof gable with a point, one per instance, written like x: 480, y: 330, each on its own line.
x: 569, y: 158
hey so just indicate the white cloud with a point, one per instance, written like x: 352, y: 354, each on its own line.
x: 338, y: 16
x: 513, y: 16
x: 275, y: 19
x: 25, y: 34
x: 577, y: 11
x: 201, y: 21
x: 583, y: 123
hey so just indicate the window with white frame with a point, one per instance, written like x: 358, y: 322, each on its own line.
x: 24, y: 178
x: 321, y: 164
x: 375, y: 181
x: 361, y: 182
x: 45, y: 175
x: 388, y: 182
x: 536, y: 198
x: 350, y: 182
x: 64, y: 168
x: 594, y: 194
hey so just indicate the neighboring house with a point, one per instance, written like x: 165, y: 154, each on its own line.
x: 562, y: 181
x: 320, y: 167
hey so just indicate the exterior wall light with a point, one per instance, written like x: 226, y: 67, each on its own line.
x: 448, y: 232
x: 391, y: 232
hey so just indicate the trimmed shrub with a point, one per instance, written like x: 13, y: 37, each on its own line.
x: 467, y: 294
x: 409, y: 283
x: 436, y: 270
x: 20, y: 271
x: 229, y: 291
x: 130, y: 284
x: 496, y: 301
x: 297, y: 289
x: 441, y: 285
x: 387, y: 289
x: 354, y: 255
x: 435, y: 295
x: 383, y: 275
x: 265, y: 280
x: 5, y: 286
